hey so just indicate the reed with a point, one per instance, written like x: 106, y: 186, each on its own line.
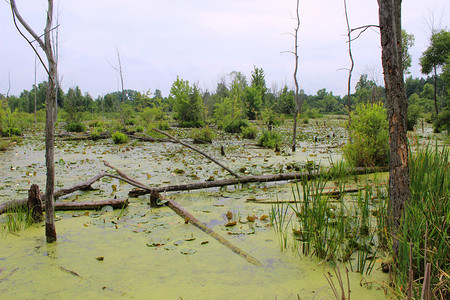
x: 426, y: 223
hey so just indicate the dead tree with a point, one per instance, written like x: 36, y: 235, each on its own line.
x: 396, y: 102
x: 50, y: 68
x: 352, y: 64
x: 298, y: 100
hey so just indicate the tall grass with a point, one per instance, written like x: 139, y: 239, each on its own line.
x: 15, y: 220
x: 426, y: 222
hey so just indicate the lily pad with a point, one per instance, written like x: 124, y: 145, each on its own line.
x: 188, y: 251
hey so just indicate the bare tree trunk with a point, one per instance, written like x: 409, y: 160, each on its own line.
x: 298, y: 102
x: 120, y: 74
x: 390, y: 29
x: 350, y: 71
x: 35, y: 90
x: 46, y: 46
x: 435, y: 91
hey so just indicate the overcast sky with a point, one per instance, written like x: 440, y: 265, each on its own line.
x: 204, y: 40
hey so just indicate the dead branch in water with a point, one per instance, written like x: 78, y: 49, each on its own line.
x: 248, y: 179
x: 197, y: 150
x: 190, y: 218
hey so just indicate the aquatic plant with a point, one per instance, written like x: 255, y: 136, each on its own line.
x: 426, y: 223
x: 15, y: 220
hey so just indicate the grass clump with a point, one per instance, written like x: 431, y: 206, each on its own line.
x: 270, y: 139
x: 203, y: 135
x: 119, y: 138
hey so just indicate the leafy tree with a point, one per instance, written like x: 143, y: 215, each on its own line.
x: 436, y: 56
x: 407, y: 43
x: 187, y: 103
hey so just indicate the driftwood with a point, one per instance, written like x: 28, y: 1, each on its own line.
x: 115, y: 203
x: 147, y: 138
x: 246, y: 179
x: 197, y: 150
x: 188, y: 217
x: 66, y: 136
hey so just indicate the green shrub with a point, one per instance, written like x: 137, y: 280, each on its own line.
x: 413, y: 115
x: 269, y: 117
x: 313, y: 114
x: 442, y: 122
x: 4, y: 144
x: 96, y: 133
x: 163, y: 125
x: 203, y: 135
x: 270, y: 139
x: 75, y: 127
x: 250, y: 132
x: 235, y: 125
x: 369, y: 137
x: 119, y: 138
x: 11, y: 131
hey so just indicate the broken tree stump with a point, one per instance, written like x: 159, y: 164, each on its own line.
x: 34, y: 204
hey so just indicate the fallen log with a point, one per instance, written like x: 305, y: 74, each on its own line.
x: 147, y: 138
x: 248, y: 179
x: 188, y: 217
x: 96, y: 205
x: 197, y: 150
x: 10, y: 205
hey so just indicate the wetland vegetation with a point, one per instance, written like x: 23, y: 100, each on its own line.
x: 299, y: 230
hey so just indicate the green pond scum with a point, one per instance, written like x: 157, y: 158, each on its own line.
x: 141, y: 252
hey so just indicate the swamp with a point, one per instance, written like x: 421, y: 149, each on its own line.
x: 139, y: 250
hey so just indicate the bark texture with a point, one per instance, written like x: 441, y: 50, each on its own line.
x: 396, y: 102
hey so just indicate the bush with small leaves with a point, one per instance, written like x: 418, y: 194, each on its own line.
x: 250, y: 132
x: 119, y: 138
x: 369, y: 137
x: 203, y: 135
x: 270, y: 139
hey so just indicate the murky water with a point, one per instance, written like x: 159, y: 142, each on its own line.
x: 150, y: 253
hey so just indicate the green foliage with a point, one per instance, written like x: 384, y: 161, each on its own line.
x: 203, y: 135
x: 437, y: 53
x: 270, y: 139
x: 151, y: 114
x: 426, y: 223
x: 407, y: 43
x: 249, y: 132
x: 11, y: 123
x: 75, y: 126
x: 96, y: 133
x: 163, y: 125
x: 313, y: 114
x: 413, y: 115
x: 234, y: 125
x: 269, y: 117
x: 442, y: 121
x: 119, y: 137
x: 369, y: 137
x: 187, y: 103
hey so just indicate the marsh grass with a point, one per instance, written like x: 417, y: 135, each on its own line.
x: 426, y: 223
x: 15, y: 220
x: 334, y: 230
